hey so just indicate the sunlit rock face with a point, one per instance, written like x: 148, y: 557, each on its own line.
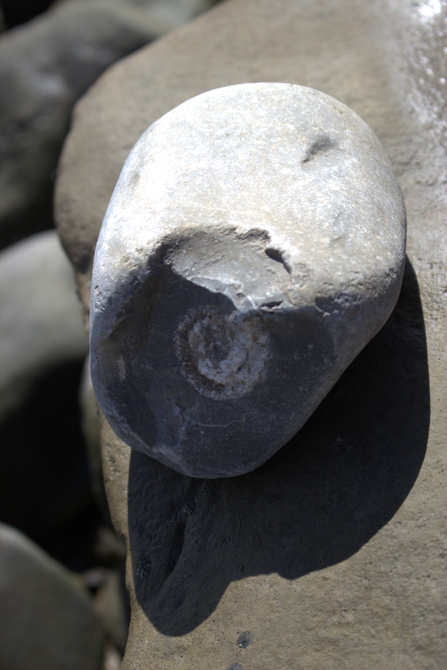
x: 252, y: 247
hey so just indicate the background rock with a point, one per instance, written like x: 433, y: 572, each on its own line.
x: 111, y: 607
x: 173, y: 13
x: 40, y: 316
x: 43, y: 467
x: 331, y: 555
x: 47, y: 621
x: 45, y: 66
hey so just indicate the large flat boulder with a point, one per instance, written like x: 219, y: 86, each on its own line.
x: 331, y: 554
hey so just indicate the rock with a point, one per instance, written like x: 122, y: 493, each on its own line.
x: 47, y: 621
x: 173, y: 12
x: 170, y: 13
x: 14, y: 13
x: 331, y: 554
x: 108, y: 549
x: 45, y: 66
x: 111, y: 603
x: 40, y: 316
x: 43, y: 468
x: 223, y: 312
x: 111, y: 600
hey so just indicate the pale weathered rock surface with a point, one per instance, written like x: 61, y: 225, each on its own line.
x: 47, y: 621
x: 254, y: 244
x: 45, y: 66
x: 331, y: 554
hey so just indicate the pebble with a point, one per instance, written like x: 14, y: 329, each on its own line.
x: 254, y: 244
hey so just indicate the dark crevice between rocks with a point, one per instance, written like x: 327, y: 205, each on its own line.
x: 45, y: 485
x: 16, y: 12
x: 278, y: 256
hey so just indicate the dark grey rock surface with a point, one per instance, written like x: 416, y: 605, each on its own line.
x: 47, y: 620
x: 253, y: 245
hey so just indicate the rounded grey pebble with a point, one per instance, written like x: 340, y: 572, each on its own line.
x: 253, y: 245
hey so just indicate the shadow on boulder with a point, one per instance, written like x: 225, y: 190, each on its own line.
x: 314, y: 504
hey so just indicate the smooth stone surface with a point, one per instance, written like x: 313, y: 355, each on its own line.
x: 45, y: 66
x: 40, y: 316
x: 332, y: 554
x: 253, y: 245
x: 170, y: 13
x: 47, y: 621
x: 176, y: 12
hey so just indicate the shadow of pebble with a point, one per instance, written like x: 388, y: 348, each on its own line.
x: 314, y: 504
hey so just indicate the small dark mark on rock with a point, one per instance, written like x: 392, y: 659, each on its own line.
x: 244, y: 639
x: 274, y: 254
x: 273, y: 303
x: 234, y: 666
x: 143, y: 569
x: 190, y: 507
x: 321, y: 145
x: 277, y: 256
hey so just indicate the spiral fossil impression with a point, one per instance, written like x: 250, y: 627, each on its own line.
x: 253, y: 245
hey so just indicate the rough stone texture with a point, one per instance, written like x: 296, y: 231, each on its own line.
x: 43, y: 467
x: 254, y: 243
x: 331, y: 555
x: 47, y: 621
x: 45, y: 66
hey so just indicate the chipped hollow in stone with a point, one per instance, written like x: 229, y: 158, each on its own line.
x: 253, y: 245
